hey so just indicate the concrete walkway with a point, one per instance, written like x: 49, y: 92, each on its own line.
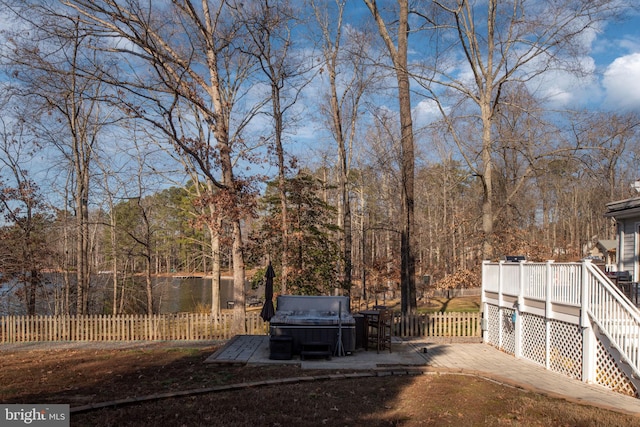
x: 468, y: 359
x: 486, y: 361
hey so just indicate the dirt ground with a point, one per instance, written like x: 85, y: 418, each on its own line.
x: 80, y: 376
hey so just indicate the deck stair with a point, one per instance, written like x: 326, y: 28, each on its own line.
x: 617, y: 320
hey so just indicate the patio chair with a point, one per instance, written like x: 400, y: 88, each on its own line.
x: 380, y: 331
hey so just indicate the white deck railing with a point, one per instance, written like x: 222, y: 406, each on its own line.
x: 615, y: 315
x: 582, y: 288
x: 553, y: 282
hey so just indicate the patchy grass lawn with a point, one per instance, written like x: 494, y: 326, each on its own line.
x: 82, y: 376
x: 453, y: 304
x: 442, y: 304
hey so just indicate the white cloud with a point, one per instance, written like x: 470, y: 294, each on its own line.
x: 567, y: 90
x: 425, y: 113
x: 621, y: 82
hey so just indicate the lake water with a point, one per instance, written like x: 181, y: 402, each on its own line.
x: 171, y: 294
x: 176, y: 295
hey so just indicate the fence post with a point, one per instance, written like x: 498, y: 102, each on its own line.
x: 500, y: 301
x: 589, y: 340
x: 484, y: 307
x: 547, y: 316
x: 517, y: 326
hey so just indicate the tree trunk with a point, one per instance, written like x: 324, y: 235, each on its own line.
x: 215, y: 273
x: 82, y: 248
x: 239, y: 311
x: 277, y: 115
x: 487, y: 183
x: 114, y: 266
x: 149, y: 287
x: 407, y: 272
x: 345, y: 204
x: 399, y: 57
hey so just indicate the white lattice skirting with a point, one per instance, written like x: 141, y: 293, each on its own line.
x: 560, y: 351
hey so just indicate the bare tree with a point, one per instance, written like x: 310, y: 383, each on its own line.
x: 604, y: 143
x: 349, y: 78
x: 56, y: 74
x: 203, y: 188
x: 23, y: 248
x: 375, y: 179
x: 500, y: 43
x: 270, y: 26
x: 398, y: 49
x: 604, y: 139
x: 112, y: 248
x: 190, y: 48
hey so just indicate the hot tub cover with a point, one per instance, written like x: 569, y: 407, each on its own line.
x: 312, y: 311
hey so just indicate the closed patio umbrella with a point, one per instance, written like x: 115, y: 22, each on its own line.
x: 267, y: 309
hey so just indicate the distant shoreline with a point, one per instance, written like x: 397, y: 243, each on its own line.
x: 192, y: 276
x: 180, y: 275
x: 177, y: 274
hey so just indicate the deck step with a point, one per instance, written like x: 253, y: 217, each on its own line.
x: 315, y: 349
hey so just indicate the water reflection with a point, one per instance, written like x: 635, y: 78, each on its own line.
x: 175, y: 295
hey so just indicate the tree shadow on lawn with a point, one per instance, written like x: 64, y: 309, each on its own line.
x: 82, y: 377
x: 432, y: 400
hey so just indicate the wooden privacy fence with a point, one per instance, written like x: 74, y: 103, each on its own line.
x: 453, y: 324
x: 197, y: 326
x: 160, y: 327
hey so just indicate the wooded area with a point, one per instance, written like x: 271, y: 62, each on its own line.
x: 372, y: 149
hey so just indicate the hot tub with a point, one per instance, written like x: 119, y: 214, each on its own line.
x: 314, y: 319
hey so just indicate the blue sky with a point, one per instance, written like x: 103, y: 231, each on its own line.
x: 612, y: 54
x: 617, y: 55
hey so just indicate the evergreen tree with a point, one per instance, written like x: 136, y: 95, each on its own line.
x: 314, y: 255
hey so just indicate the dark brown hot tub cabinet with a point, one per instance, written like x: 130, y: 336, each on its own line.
x: 313, y: 320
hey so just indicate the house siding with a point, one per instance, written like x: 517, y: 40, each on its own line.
x: 627, y: 260
x: 627, y: 215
